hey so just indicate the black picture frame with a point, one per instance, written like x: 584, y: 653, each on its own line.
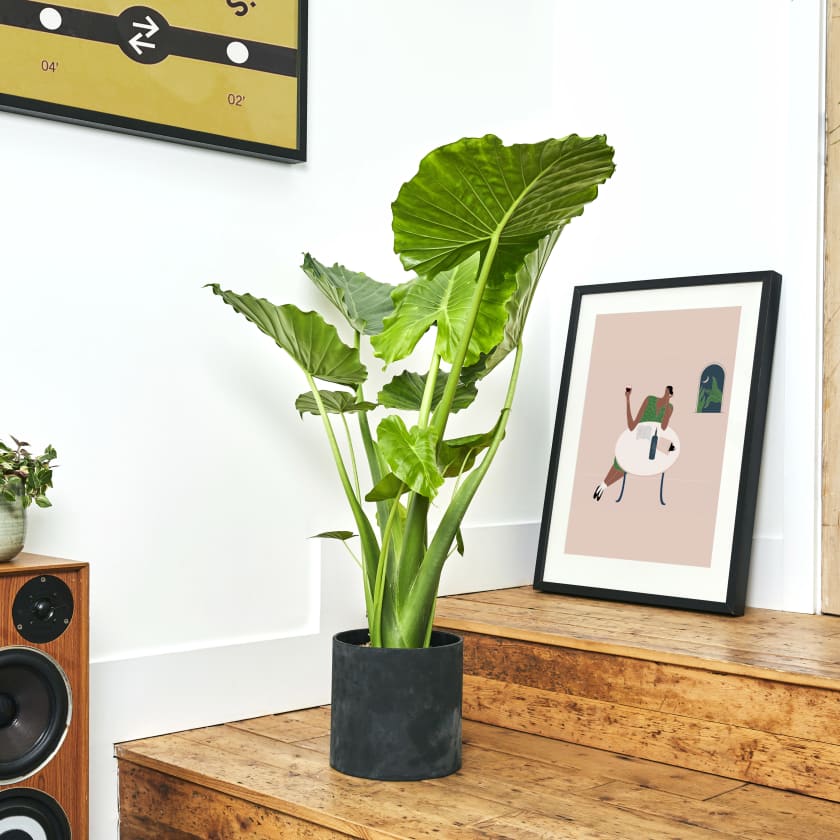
x: 660, y: 551
x: 225, y: 82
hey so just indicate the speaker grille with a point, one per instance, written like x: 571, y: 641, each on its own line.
x: 31, y: 815
x: 35, y: 711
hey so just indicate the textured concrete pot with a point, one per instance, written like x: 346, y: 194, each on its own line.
x: 396, y: 713
x: 12, y: 529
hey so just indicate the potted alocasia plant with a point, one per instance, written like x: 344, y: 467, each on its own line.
x: 24, y: 479
x: 476, y: 226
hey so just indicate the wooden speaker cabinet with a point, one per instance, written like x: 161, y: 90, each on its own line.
x: 43, y: 699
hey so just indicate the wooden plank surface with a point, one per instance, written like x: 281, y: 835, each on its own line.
x: 807, y: 766
x: 781, y: 646
x: 831, y: 326
x: 755, y: 812
x: 155, y: 806
x: 240, y: 782
x: 756, y: 704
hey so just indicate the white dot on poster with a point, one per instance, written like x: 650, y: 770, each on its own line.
x: 237, y: 52
x: 50, y: 18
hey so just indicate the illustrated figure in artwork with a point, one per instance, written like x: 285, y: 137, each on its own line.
x: 643, y: 448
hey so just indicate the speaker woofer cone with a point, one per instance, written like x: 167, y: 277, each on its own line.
x: 36, y: 704
x: 31, y: 815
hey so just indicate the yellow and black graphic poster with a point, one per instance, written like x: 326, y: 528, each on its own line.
x: 227, y: 74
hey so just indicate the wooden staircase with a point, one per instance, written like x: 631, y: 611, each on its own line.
x: 583, y: 719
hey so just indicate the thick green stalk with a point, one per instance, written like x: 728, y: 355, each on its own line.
x: 374, y: 462
x: 429, y: 392
x: 377, y: 467
x: 420, y: 600
x: 445, y: 406
x: 370, y: 546
x: 414, y: 543
x: 375, y: 618
x: 414, y: 537
x: 352, y: 452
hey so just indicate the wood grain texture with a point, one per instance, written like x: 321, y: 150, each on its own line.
x: 768, y: 706
x: 156, y: 805
x: 752, y: 698
x: 831, y: 326
x: 231, y: 781
x: 299, y: 783
x: 65, y: 776
x: 583, y: 822
x: 754, y: 812
x: 807, y: 766
x: 766, y: 644
x: 31, y: 563
x: 595, y: 763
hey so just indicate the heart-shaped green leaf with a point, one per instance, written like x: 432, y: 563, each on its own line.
x: 469, y: 192
x: 388, y: 487
x: 405, y: 392
x: 305, y: 336
x: 457, y: 456
x: 333, y: 535
x: 445, y: 300
x: 527, y: 276
x: 335, y: 402
x: 410, y: 454
x: 362, y: 301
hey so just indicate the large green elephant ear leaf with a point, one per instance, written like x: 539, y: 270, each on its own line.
x: 469, y: 192
x: 405, y: 391
x: 305, y: 336
x: 334, y: 402
x: 362, y: 301
x: 458, y: 455
x: 445, y: 300
x: 410, y: 454
x: 527, y: 275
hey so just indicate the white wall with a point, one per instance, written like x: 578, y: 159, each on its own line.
x: 188, y: 481
x: 715, y: 111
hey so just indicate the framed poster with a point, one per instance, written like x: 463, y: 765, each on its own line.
x: 657, y: 445
x: 223, y: 74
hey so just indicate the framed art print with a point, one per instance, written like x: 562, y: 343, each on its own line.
x: 657, y: 446
x: 223, y: 74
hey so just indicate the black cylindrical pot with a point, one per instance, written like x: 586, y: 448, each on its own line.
x: 396, y: 712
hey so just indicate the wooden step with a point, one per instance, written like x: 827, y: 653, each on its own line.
x: 755, y: 698
x: 269, y: 778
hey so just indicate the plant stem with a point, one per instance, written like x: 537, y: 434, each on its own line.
x: 378, y: 468
x: 414, y: 543
x: 352, y: 554
x: 445, y: 406
x: 420, y: 601
x: 428, y: 637
x: 352, y: 458
x: 370, y: 548
x: 375, y: 619
x: 429, y: 392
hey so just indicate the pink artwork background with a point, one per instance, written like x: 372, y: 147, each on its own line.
x: 649, y: 350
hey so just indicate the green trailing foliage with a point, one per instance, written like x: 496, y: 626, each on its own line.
x: 25, y: 476
x: 476, y: 225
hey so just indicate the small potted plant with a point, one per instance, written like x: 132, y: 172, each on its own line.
x: 24, y: 479
x: 476, y: 225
